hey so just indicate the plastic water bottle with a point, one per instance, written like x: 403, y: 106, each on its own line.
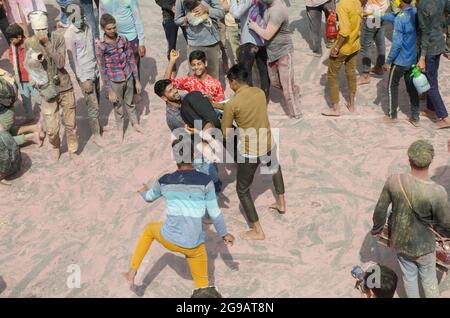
x: 420, y: 81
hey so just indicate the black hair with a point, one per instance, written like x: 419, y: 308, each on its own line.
x: 14, y: 31
x: 191, y: 4
x: 388, y: 282
x: 197, y: 55
x: 238, y: 72
x: 407, y: 1
x: 160, y: 86
x: 107, y: 19
x: 183, y: 150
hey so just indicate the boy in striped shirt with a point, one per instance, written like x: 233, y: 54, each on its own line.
x: 188, y: 195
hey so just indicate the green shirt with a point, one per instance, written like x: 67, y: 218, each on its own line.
x: 409, y: 235
x: 431, y: 18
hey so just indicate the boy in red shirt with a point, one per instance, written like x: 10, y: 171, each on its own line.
x: 17, y: 53
x: 200, y: 80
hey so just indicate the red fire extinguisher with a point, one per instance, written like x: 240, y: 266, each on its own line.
x: 331, y: 30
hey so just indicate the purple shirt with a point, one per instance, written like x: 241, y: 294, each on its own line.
x: 116, y: 61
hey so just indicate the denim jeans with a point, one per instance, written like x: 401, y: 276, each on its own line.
x: 397, y: 72
x: 63, y: 3
x: 88, y: 8
x: 171, y: 31
x: 434, y: 99
x: 27, y: 92
x: 423, y: 267
x: 3, y: 22
x: 368, y: 37
x: 210, y: 169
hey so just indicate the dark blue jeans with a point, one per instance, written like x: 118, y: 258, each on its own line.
x: 171, y: 31
x: 3, y: 23
x: 88, y: 8
x: 434, y: 99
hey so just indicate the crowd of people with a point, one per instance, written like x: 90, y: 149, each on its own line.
x: 104, y: 42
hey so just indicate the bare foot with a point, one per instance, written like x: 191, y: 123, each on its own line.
x: 414, y: 122
x: 389, y: 120
x: 377, y: 70
x: 98, y: 140
x: 74, y: 156
x: 138, y: 128
x: 429, y: 114
x: 363, y: 79
x: 129, y: 276
x: 277, y: 207
x: 56, y: 154
x: 350, y: 106
x: 252, y: 235
x: 332, y: 113
x: 441, y: 124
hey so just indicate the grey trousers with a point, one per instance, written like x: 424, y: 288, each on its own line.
x: 92, y: 99
x: 124, y: 92
x: 213, y: 57
x: 368, y: 37
x: 315, y: 23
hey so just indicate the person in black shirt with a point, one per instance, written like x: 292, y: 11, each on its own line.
x: 170, y: 28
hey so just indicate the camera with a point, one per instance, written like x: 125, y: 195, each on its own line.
x: 359, y: 273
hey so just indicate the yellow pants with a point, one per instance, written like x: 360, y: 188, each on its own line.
x: 196, y: 257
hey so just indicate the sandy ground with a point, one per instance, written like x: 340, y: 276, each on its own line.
x: 88, y: 213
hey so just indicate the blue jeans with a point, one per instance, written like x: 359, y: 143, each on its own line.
x: 63, y: 4
x: 210, y: 169
x: 423, y: 266
x: 368, y: 37
x: 26, y: 92
x: 434, y: 99
x: 88, y: 8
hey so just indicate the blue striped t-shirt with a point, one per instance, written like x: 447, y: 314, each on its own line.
x: 188, y: 195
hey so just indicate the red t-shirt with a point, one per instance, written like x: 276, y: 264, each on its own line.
x: 210, y: 86
x: 20, y: 60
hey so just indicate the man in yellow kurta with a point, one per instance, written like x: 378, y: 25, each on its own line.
x: 344, y: 51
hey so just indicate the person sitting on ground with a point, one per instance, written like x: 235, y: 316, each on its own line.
x: 8, y: 96
x: 188, y: 195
